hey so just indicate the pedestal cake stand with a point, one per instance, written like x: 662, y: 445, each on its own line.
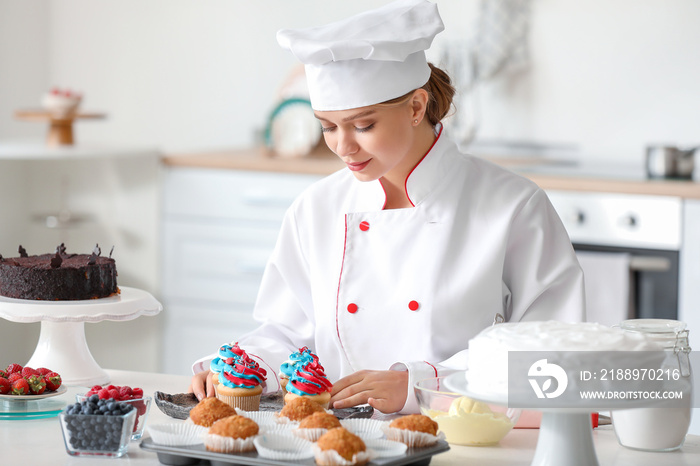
x: 566, y: 434
x: 62, y: 345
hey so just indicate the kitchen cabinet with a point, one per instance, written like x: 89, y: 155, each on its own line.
x: 219, y: 229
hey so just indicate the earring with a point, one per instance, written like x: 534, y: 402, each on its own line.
x: 415, y: 122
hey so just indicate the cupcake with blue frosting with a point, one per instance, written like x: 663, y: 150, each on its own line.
x: 226, y: 353
x: 239, y: 380
x: 307, y: 378
x: 288, y: 367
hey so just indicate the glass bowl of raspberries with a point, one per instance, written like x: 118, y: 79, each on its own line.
x: 124, y: 394
x: 95, y: 427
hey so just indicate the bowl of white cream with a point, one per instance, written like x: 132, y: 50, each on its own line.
x: 464, y: 421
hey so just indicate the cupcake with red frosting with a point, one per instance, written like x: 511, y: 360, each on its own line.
x: 239, y: 383
x: 308, y: 379
x: 287, y: 368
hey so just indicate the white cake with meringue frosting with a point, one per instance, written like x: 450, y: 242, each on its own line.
x: 488, y: 351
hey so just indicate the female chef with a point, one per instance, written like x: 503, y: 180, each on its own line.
x: 387, y: 268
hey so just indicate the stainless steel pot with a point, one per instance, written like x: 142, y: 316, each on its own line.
x: 670, y: 162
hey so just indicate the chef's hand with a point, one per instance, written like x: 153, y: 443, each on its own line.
x: 201, y: 385
x: 383, y: 390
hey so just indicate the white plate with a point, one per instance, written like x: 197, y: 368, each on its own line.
x: 61, y: 390
x: 129, y: 304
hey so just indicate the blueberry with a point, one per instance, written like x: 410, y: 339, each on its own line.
x: 94, y: 398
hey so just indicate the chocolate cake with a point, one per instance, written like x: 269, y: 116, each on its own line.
x: 59, y: 276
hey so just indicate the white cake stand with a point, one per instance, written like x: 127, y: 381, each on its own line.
x: 62, y: 345
x: 566, y: 434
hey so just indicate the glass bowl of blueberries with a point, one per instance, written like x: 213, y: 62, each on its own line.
x: 97, y: 427
x: 124, y: 394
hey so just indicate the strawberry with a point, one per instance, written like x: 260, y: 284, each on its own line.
x: 43, y: 370
x: 20, y: 387
x: 28, y: 371
x: 37, y: 385
x: 12, y: 368
x: 53, y: 381
x: 5, y: 386
x: 14, y: 376
x: 3, y: 374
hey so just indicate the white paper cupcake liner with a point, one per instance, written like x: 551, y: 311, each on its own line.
x: 386, y: 448
x: 309, y: 434
x: 261, y: 418
x: 365, y: 428
x: 285, y: 421
x: 220, y: 444
x: 412, y: 438
x: 283, y: 447
x: 332, y: 458
x: 173, y: 435
x: 285, y: 429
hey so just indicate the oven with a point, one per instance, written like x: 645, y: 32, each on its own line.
x: 629, y: 248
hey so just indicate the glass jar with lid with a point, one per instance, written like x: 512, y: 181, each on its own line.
x: 664, y: 426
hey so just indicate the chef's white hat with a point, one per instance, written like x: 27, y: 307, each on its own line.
x: 368, y: 58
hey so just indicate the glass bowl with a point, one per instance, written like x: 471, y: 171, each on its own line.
x: 142, y: 405
x: 464, y: 421
x: 93, y: 435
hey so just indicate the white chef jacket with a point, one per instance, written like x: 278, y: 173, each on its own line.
x: 406, y: 289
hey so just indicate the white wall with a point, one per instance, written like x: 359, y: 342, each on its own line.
x: 607, y: 76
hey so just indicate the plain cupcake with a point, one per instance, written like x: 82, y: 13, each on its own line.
x: 339, y: 446
x: 209, y: 410
x: 299, y: 408
x: 415, y: 430
x: 314, y: 426
x: 233, y: 434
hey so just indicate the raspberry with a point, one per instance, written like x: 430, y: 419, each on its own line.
x: 103, y: 393
x: 137, y: 392
x: 111, y: 387
x: 140, y: 407
x: 113, y: 393
x: 125, y: 393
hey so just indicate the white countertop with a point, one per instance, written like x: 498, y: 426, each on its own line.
x: 40, y: 441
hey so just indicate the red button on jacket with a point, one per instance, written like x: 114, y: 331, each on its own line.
x: 364, y: 225
x: 413, y: 305
x: 352, y: 308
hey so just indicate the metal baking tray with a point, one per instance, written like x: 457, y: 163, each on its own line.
x: 191, y: 455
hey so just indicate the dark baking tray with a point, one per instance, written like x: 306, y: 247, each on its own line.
x: 198, y: 455
x: 178, y: 406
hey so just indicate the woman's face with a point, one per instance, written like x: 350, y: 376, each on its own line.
x: 374, y: 141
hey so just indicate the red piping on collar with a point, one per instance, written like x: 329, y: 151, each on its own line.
x: 405, y: 183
